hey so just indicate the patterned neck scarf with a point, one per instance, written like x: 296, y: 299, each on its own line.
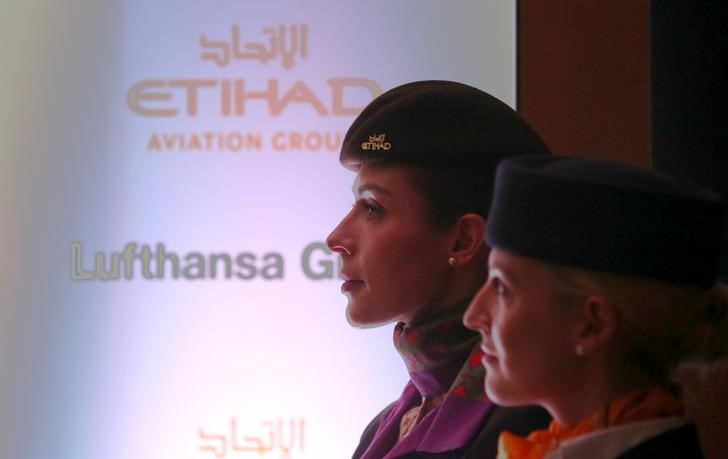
x: 442, y: 357
x: 640, y: 405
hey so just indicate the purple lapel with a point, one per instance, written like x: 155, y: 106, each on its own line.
x: 451, y: 426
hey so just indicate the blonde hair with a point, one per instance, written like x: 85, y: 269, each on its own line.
x: 661, y: 324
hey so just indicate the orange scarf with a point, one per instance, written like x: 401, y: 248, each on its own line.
x: 636, y: 406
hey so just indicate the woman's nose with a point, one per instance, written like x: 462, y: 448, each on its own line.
x: 477, y: 317
x: 339, y: 241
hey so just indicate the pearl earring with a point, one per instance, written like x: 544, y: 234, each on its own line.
x: 452, y: 261
x: 579, y: 349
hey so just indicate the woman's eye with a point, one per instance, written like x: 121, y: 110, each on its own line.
x: 372, y: 208
x: 498, y: 286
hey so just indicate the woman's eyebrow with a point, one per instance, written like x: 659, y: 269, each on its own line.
x: 370, y: 187
x: 503, y: 274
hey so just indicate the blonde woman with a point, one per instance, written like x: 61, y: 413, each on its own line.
x: 602, y: 278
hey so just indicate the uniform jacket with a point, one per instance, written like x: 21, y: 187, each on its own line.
x: 484, y: 444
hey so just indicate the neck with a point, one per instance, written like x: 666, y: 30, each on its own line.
x: 592, y: 391
x: 461, y: 287
x: 436, y: 351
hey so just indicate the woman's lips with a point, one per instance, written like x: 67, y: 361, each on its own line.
x: 488, y: 357
x: 351, y: 284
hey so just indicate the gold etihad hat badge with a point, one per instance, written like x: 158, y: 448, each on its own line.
x: 376, y: 142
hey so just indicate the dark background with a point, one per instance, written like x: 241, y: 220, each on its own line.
x: 631, y: 80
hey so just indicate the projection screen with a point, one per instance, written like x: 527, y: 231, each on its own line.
x: 170, y: 172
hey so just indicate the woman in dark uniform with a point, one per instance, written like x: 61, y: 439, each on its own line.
x: 413, y: 254
x: 602, y: 278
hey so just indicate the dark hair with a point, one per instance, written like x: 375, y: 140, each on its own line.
x: 451, y: 135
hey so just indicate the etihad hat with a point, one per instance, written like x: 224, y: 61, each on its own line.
x: 436, y: 124
x: 606, y: 216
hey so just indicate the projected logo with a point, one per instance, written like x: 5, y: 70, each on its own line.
x: 236, y: 97
x: 140, y: 260
x: 283, y: 42
x: 281, y: 437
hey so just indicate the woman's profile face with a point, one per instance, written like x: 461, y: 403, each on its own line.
x: 395, y: 261
x: 527, y: 337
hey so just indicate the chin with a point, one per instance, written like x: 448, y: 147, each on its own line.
x: 501, y: 395
x: 358, y: 320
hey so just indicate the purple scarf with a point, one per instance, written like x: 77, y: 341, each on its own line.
x: 441, y: 356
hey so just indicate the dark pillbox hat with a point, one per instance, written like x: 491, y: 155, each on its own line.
x: 437, y: 123
x: 606, y: 216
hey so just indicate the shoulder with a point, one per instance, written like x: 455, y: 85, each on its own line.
x: 681, y: 442
x: 368, y: 435
x: 517, y: 420
x: 520, y: 420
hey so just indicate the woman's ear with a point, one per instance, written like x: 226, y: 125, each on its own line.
x: 597, y: 324
x: 469, y: 238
